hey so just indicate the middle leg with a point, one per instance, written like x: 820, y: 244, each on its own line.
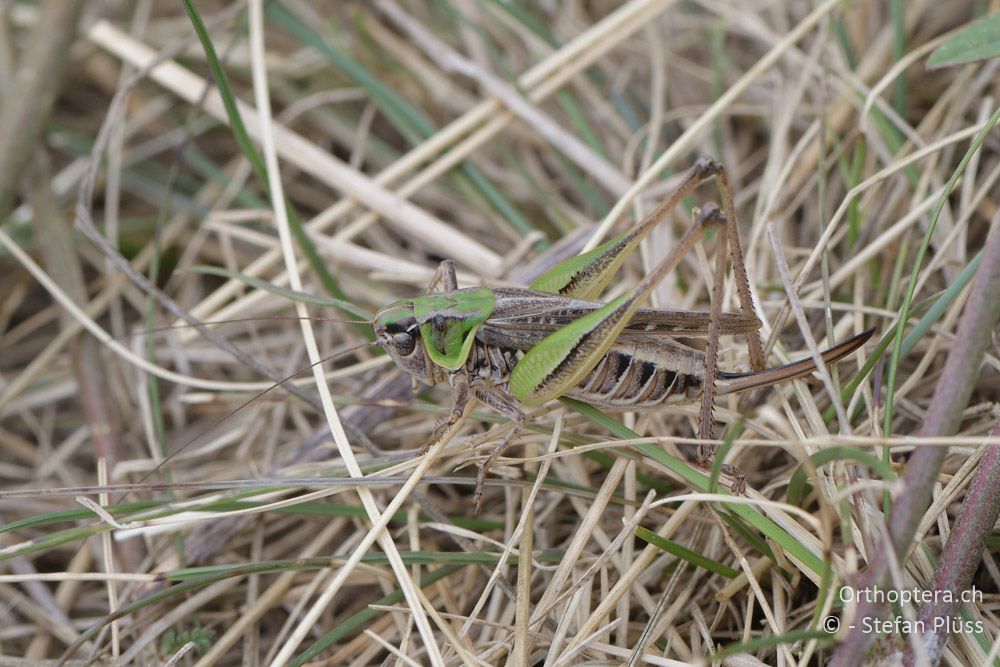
x: 710, y: 214
x: 500, y: 400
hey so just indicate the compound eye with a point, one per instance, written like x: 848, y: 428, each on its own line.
x: 403, y: 343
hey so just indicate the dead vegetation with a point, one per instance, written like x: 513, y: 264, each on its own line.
x: 504, y: 136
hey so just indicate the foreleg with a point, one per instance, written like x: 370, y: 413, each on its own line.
x: 444, y: 274
x: 460, y: 384
x: 500, y: 400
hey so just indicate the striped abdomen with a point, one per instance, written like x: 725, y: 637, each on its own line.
x: 640, y: 374
x: 637, y: 378
x: 628, y: 376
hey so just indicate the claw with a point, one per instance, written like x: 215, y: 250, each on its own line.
x: 477, y: 498
x: 427, y: 446
x: 738, y: 485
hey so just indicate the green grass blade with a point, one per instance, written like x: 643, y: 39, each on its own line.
x: 700, y: 482
x: 685, y: 554
x: 354, y: 623
x: 904, y: 311
x: 242, y: 137
x: 939, y: 306
x: 979, y: 40
x: 406, y: 118
x: 797, y: 484
x: 754, y: 645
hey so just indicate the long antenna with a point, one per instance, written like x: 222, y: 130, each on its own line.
x: 221, y: 420
x: 265, y: 318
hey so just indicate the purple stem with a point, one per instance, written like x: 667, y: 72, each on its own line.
x: 951, y: 396
x: 962, y: 553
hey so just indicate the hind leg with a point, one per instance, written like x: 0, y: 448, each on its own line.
x: 706, y: 428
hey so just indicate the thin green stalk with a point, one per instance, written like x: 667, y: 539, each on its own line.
x: 904, y: 311
x: 944, y: 414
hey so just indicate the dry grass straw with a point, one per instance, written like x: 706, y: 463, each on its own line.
x: 403, y: 134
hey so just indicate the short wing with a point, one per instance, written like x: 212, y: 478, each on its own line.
x: 522, y: 318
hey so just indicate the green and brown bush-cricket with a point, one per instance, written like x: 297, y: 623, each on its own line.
x: 512, y: 347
